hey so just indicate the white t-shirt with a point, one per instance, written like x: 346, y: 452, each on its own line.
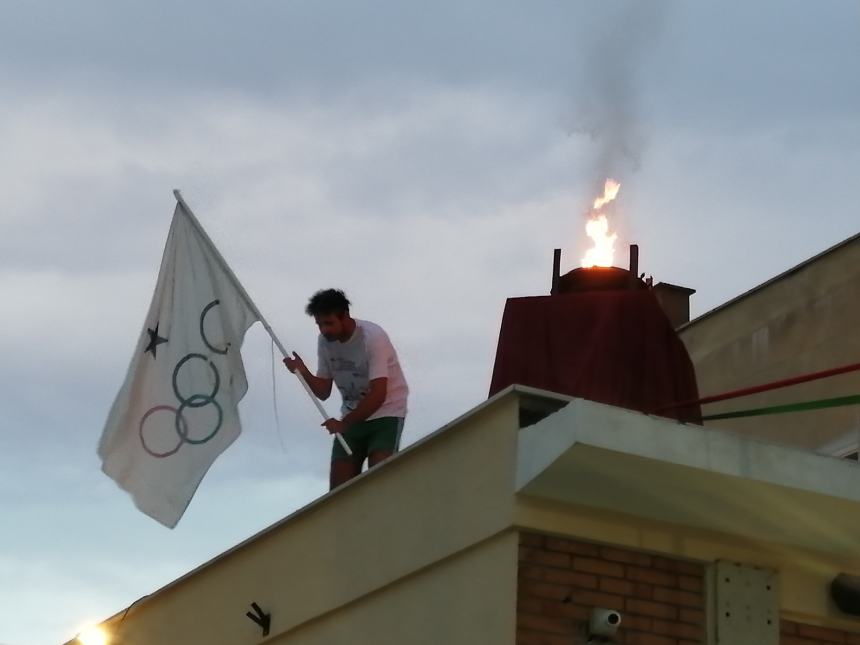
x: 367, y: 355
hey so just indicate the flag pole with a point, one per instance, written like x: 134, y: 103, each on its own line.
x: 217, y: 254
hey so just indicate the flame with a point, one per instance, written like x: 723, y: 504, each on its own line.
x: 597, y: 229
x: 610, y: 192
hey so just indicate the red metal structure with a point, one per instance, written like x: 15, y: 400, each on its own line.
x: 601, y: 335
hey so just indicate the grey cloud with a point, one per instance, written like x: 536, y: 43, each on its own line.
x: 739, y: 67
x: 469, y: 152
x: 273, y: 45
x: 714, y: 64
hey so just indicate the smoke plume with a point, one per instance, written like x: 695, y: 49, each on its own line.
x: 617, y: 52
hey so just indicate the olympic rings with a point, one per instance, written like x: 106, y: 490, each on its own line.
x: 203, y: 333
x: 204, y: 400
x: 183, y: 434
x: 179, y: 420
x: 193, y: 401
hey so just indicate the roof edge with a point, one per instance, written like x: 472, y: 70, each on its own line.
x: 767, y: 283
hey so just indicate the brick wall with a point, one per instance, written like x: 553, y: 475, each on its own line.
x: 561, y: 580
x: 799, y: 634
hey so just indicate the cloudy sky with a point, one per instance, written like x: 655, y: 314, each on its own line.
x: 426, y: 158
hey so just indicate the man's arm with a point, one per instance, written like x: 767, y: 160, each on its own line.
x: 379, y: 352
x: 365, y: 408
x: 369, y: 404
x: 321, y: 387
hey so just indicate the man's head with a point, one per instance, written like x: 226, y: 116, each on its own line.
x: 330, y: 309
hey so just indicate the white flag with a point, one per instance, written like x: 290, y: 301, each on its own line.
x: 178, y: 407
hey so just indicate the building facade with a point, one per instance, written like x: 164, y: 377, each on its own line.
x: 804, y: 320
x: 513, y: 524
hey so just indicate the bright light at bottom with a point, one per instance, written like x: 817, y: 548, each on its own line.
x: 93, y: 635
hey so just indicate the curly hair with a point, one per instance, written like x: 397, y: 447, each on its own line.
x: 328, y: 301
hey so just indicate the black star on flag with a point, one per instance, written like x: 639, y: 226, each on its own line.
x: 154, y: 340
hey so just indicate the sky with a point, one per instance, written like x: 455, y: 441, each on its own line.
x: 426, y: 158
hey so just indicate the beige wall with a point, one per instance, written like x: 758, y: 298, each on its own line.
x: 424, y: 509
x: 806, y: 321
x: 469, y: 599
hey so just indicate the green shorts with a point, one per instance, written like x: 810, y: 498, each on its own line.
x: 365, y: 437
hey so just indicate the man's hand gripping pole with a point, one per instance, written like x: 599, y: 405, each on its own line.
x: 307, y: 387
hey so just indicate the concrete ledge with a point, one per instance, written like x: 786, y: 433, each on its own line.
x: 605, y: 457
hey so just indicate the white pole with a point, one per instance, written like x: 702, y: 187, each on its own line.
x: 196, y: 224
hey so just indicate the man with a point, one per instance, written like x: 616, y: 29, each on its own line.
x: 358, y: 356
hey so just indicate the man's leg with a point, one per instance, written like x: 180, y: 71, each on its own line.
x: 344, y: 467
x: 377, y: 456
x: 342, y: 470
x: 385, y: 440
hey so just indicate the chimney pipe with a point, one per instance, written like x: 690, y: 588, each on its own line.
x: 675, y: 301
x: 556, y: 270
x: 634, y: 264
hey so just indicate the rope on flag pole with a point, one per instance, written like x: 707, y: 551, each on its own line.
x: 217, y: 254
x: 275, y: 403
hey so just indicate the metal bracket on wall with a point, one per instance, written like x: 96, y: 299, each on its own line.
x: 260, y: 617
x: 746, y: 604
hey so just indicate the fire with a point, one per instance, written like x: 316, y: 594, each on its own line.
x: 610, y: 192
x: 597, y: 229
x: 604, y: 244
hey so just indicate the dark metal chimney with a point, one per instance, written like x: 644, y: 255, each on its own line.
x: 675, y: 301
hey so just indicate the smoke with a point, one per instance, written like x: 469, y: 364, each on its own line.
x: 609, y: 111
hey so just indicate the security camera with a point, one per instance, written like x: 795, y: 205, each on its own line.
x: 604, y: 622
